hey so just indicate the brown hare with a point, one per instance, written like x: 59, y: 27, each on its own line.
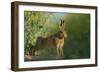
x: 54, y: 41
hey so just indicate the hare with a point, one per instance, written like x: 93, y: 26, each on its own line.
x: 55, y: 41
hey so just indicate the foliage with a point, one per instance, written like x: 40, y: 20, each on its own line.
x: 78, y: 42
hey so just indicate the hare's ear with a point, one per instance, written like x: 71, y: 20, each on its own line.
x: 61, y: 25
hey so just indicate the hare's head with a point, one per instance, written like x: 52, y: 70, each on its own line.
x: 62, y: 32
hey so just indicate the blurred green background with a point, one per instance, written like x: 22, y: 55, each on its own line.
x: 44, y: 24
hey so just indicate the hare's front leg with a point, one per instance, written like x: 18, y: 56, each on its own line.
x: 61, y: 47
x: 58, y: 51
x: 61, y: 52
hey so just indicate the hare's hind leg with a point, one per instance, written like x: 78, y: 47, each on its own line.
x: 33, y: 52
x: 57, y: 49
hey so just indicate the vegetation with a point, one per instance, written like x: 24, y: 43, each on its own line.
x: 44, y: 24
